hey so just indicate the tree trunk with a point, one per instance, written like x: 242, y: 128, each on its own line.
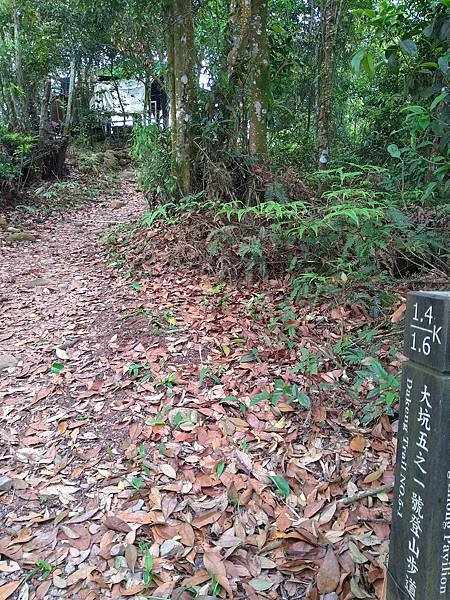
x: 260, y: 80
x: 330, y: 19
x: 185, y: 93
x: 10, y: 84
x: 23, y: 100
x: 231, y: 98
x: 70, y: 99
x: 171, y: 81
x: 44, y: 156
x: 17, y: 109
x: 43, y: 118
x: 6, y: 99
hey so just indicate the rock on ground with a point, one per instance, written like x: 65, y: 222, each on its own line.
x: 7, y: 361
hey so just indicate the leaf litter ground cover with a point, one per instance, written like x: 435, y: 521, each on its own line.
x: 174, y: 437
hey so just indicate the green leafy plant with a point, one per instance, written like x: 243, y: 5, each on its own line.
x: 151, y: 147
x: 282, y: 487
x: 57, y: 368
x: 209, y: 373
x: 307, y: 364
x: 168, y: 382
x: 143, y: 372
x: 220, y: 468
x: 215, y: 588
x: 282, y: 391
x: 136, y: 484
x: 42, y: 568
x: 147, y: 576
x: 384, y: 394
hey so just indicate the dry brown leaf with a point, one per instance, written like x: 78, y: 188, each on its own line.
x: 42, y: 590
x: 398, y: 315
x: 186, y: 533
x: 207, y: 518
x: 200, y: 576
x: 244, y: 461
x: 9, y: 566
x: 374, y: 476
x: 70, y: 533
x: 7, y: 590
x: 132, y: 590
x: 164, y: 590
x: 116, y: 524
x: 313, y: 507
x: 329, y: 574
x: 358, y: 443
x: 168, y: 505
x: 142, y: 518
x: 24, y: 535
x: 80, y: 574
x: 326, y: 515
x: 131, y: 555
x: 60, y: 517
x: 168, y: 470
x: 84, y: 516
x: 214, y: 564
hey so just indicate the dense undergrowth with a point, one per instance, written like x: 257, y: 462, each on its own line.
x: 15, y: 161
x: 357, y: 228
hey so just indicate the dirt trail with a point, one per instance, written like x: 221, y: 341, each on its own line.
x: 59, y: 289
x: 133, y: 461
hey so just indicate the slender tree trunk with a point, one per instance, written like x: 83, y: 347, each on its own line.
x: 7, y: 103
x: 11, y: 96
x: 43, y: 137
x: 185, y: 94
x: 70, y: 99
x: 43, y: 118
x: 330, y: 20
x: 232, y: 100
x: 119, y: 98
x: 23, y: 99
x: 260, y: 80
x: 317, y: 41
x: 171, y: 81
x: 62, y: 150
x: 18, y: 113
x: 147, y: 110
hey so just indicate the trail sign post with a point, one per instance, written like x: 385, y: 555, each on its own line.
x: 419, y: 554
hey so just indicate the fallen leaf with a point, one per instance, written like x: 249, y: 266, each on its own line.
x: 206, y: 518
x: 374, y: 476
x: 60, y: 353
x: 329, y: 574
x: 133, y: 590
x: 131, y: 556
x: 261, y: 585
x: 116, y: 524
x: 398, y: 315
x: 81, y: 574
x: 358, y: 443
x: 7, y: 590
x: 215, y: 565
x: 168, y: 470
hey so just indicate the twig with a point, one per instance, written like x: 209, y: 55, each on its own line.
x: 372, y: 492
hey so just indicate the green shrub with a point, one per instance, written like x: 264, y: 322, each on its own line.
x: 358, y: 228
x: 151, y: 146
x: 16, y: 152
